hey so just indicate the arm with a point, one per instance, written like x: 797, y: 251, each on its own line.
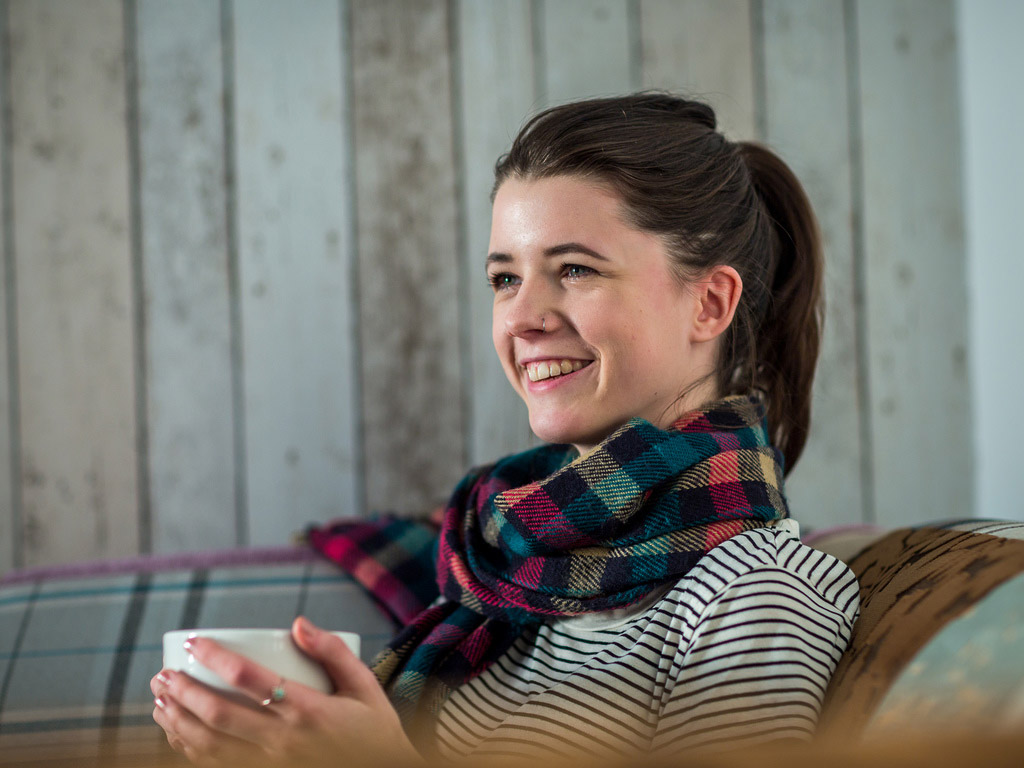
x: 756, y: 670
x: 356, y: 724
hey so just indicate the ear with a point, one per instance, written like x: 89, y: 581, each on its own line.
x: 718, y: 295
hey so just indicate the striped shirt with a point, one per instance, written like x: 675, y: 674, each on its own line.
x: 738, y: 650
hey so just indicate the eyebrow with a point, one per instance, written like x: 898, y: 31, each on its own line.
x: 555, y: 250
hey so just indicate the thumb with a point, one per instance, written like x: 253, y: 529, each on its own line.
x: 346, y: 670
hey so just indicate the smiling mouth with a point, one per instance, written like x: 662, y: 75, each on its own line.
x: 547, y: 369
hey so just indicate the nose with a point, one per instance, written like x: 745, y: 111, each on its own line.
x: 532, y: 310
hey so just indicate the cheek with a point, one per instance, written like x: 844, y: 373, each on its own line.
x: 654, y: 342
x: 638, y: 333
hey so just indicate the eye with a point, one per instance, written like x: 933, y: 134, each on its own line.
x: 501, y: 281
x: 577, y: 271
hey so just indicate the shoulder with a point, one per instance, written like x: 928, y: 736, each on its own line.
x: 770, y: 620
x: 756, y: 566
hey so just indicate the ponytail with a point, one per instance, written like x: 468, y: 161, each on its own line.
x: 787, y: 340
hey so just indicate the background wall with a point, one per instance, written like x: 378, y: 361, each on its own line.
x: 992, y: 64
x: 243, y: 245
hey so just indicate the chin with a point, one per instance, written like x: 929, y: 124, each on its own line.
x: 561, y: 432
x: 551, y: 433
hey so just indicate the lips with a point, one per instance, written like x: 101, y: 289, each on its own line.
x: 538, y: 370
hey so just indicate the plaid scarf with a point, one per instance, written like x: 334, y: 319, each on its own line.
x: 538, y: 536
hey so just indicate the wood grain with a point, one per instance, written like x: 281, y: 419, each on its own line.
x: 413, y: 359
x: 914, y: 243
x: 703, y: 49
x: 74, y: 297
x: 8, y: 387
x: 313, y: 210
x: 586, y: 49
x: 183, y: 212
x: 295, y: 256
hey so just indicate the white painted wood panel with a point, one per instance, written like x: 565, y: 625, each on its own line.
x: 991, y: 62
x: 73, y: 263
x: 496, y: 77
x: 703, y: 49
x: 8, y: 531
x: 183, y: 213
x: 295, y: 258
x: 367, y: 376
x: 914, y: 245
x: 586, y: 49
x: 413, y: 357
x: 807, y: 122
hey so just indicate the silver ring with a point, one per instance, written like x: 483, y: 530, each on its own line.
x: 277, y: 694
x: 543, y: 325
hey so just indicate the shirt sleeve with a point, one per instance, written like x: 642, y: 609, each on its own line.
x: 759, y: 660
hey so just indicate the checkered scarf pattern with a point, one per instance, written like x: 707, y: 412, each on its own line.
x: 393, y: 559
x: 539, y: 536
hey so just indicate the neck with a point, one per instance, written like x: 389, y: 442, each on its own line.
x: 695, y: 396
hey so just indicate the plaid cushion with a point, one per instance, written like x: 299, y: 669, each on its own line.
x: 78, y: 646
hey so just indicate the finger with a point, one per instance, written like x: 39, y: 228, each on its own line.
x: 346, y: 670
x: 196, y: 739
x: 201, y: 760
x: 159, y: 719
x: 176, y: 744
x: 158, y: 683
x: 254, y: 680
x: 220, y: 713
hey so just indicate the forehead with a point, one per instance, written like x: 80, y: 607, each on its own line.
x: 555, y: 207
x: 537, y: 219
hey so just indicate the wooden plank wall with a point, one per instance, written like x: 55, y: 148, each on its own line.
x: 293, y: 204
x: 186, y: 268
x: 75, y: 307
x: 9, y: 523
x: 243, y: 242
x: 915, y: 303
x: 411, y: 363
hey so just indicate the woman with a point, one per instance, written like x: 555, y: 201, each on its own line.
x: 636, y: 584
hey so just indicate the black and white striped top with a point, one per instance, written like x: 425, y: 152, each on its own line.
x: 739, y: 650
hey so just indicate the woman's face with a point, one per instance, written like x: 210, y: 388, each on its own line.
x: 591, y: 324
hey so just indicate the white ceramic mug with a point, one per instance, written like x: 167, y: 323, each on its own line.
x: 271, y: 648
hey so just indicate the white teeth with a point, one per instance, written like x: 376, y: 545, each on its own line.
x: 547, y: 370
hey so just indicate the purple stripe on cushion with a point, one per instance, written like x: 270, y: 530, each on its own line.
x: 221, y: 558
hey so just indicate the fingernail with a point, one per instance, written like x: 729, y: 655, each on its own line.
x: 159, y: 701
x: 305, y: 628
x: 163, y: 677
x: 187, y: 645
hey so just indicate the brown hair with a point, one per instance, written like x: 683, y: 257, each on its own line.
x: 713, y: 202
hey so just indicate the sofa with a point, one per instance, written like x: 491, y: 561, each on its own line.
x: 939, y: 646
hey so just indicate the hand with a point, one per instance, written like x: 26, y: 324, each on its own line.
x: 355, y: 724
